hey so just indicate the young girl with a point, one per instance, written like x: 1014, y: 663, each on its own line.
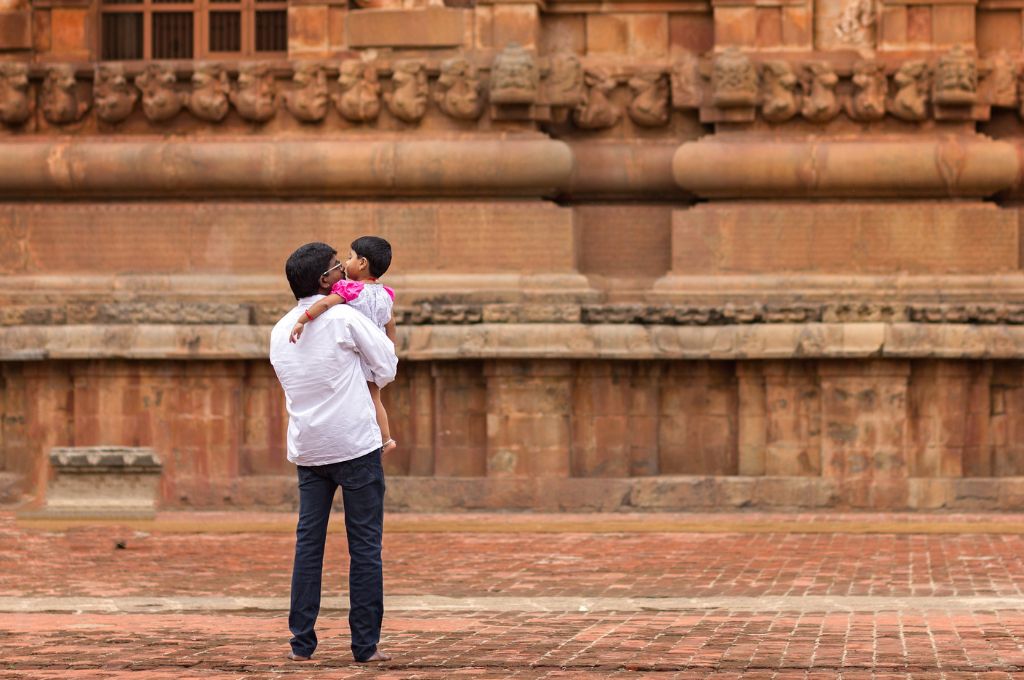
x: 369, y: 258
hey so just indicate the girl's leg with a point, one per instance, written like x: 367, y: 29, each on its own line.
x: 382, y: 419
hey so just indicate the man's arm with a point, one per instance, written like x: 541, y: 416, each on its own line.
x: 376, y: 350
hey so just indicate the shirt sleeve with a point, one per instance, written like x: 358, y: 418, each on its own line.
x: 376, y: 350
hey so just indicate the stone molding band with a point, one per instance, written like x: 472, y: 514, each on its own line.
x: 906, y: 168
x: 282, y: 168
x: 532, y: 166
x: 540, y: 341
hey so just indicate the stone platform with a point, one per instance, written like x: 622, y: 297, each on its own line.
x: 737, y: 595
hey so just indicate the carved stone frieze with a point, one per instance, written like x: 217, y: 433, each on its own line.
x: 515, y: 77
x: 596, y: 111
x: 780, y: 100
x: 459, y: 89
x: 408, y: 100
x: 308, y: 100
x: 15, y: 103
x: 687, y: 83
x: 910, y: 102
x: 359, y: 99
x: 820, y: 103
x: 255, y: 96
x: 208, y: 99
x: 999, y: 85
x: 734, y: 80
x: 61, y: 101
x: 161, y: 99
x: 563, y: 85
x: 113, y: 95
x: 869, y: 90
x: 855, y: 24
x: 649, y: 107
x: 956, y: 79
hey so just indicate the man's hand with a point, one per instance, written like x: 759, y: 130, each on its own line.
x: 296, y: 332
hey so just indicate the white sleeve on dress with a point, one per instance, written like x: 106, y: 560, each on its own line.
x: 376, y: 350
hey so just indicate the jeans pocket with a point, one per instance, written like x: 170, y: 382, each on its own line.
x: 362, y: 471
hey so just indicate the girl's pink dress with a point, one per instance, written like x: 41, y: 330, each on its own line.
x: 373, y: 300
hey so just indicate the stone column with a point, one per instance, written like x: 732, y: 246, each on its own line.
x: 697, y: 432
x: 601, y: 419
x: 460, y: 402
x: 528, y: 418
x: 864, y: 443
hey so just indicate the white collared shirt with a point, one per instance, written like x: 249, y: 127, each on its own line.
x: 331, y: 417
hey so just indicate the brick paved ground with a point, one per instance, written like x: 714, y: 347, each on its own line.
x: 542, y: 597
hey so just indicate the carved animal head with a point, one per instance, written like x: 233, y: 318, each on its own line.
x: 308, y: 102
x: 255, y: 97
x: 515, y: 77
x: 61, y: 104
x: 113, y: 96
x: 15, y: 105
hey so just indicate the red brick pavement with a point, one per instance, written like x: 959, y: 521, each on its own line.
x: 890, y: 641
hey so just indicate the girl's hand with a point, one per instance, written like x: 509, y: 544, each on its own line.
x: 296, y: 332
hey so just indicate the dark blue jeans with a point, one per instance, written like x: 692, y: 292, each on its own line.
x: 362, y: 489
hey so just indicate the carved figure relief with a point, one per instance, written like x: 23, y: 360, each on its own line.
x: 408, y: 101
x: 15, y: 104
x: 254, y: 96
x: 781, y: 99
x: 308, y: 101
x: 687, y: 84
x: 359, y: 100
x: 820, y: 103
x: 515, y: 78
x: 911, y: 99
x: 734, y: 81
x: 458, y: 89
x: 856, y: 23
x: 209, y: 97
x: 160, y: 99
x: 999, y: 86
x: 114, y: 96
x: 956, y: 79
x: 564, y: 83
x: 649, y: 106
x: 61, y: 102
x: 869, y: 89
x: 596, y: 112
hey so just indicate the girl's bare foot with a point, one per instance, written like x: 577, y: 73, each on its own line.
x: 388, y: 445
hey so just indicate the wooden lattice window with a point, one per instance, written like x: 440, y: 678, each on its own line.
x: 192, y: 29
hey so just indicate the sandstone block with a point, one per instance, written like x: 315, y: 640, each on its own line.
x: 428, y: 27
x: 735, y: 26
x: 308, y: 30
x: 15, y: 30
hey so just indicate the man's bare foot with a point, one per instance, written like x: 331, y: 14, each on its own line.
x: 388, y: 445
x: 292, y: 656
x: 377, y: 657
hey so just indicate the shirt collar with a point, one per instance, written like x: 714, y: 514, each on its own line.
x: 310, y: 300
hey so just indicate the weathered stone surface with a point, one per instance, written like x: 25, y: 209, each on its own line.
x: 426, y: 27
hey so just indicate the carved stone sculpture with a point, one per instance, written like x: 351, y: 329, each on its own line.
x: 733, y: 80
x: 956, y: 79
x: 61, y: 102
x: 308, y: 101
x: 408, y: 100
x: 911, y: 99
x: 999, y: 87
x: 359, y: 100
x: 160, y: 99
x: 687, y: 84
x: 209, y: 97
x: 254, y: 97
x: 856, y: 22
x: 596, y: 112
x: 113, y: 95
x: 458, y: 89
x: 869, y: 89
x: 820, y: 103
x: 515, y: 78
x: 563, y: 85
x: 780, y: 101
x: 15, y: 104
x: 649, y: 106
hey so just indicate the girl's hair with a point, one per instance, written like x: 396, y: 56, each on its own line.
x: 377, y: 252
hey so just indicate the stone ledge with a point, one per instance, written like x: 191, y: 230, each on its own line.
x: 87, y: 459
x: 541, y: 341
x: 666, y: 493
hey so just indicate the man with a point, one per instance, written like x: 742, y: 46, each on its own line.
x: 333, y: 439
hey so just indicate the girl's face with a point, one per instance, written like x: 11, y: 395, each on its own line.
x: 356, y: 268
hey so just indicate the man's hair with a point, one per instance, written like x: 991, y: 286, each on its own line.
x: 305, y: 266
x: 377, y: 252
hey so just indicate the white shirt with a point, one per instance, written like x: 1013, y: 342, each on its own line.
x: 331, y: 417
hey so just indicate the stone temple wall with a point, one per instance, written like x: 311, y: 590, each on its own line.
x: 648, y: 255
